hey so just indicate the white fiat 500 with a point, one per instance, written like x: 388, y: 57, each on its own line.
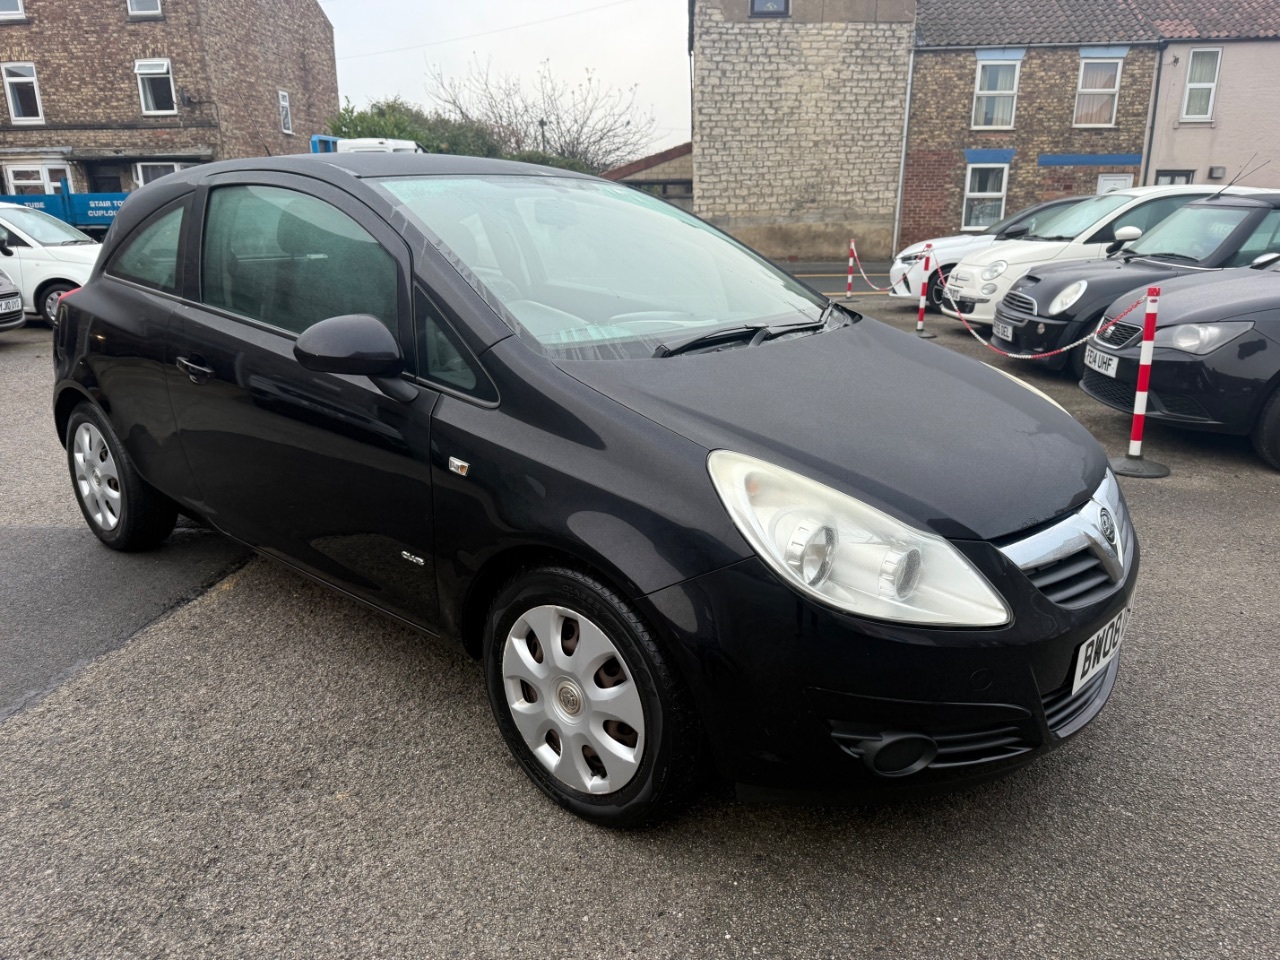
x: 906, y: 274
x: 1083, y: 232
x: 44, y: 256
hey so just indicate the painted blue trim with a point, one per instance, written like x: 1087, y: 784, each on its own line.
x: 1001, y: 53
x: 1104, y: 53
x: 1089, y: 159
x: 988, y: 156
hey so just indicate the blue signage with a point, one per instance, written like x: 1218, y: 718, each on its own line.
x: 78, y: 209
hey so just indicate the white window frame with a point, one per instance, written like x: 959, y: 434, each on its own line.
x: 1114, y: 92
x: 1003, y: 194
x: 19, y: 14
x: 48, y: 185
x: 34, y: 79
x: 157, y: 12
x: 137, y: 169
x: 286, y: 112
x: 1012, y: 94
x: 1212, y: 87
x: 142, y: 96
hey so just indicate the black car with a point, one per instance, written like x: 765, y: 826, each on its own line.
x: 11, y: 316
x: 687, y: 511
x: 1056, y: 305
x: 1215, y: 360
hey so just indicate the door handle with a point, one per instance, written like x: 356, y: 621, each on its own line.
x: 194, y: 371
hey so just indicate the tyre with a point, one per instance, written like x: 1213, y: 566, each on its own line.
x: 1266, y: 431
x: 933, y: 295
x: 49, y: 301
x: 122, y: 510
x: 586, y: 700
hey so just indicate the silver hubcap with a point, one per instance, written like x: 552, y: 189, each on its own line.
x: 573, y: 700
x: 97, y: 481
x: 51, y: 305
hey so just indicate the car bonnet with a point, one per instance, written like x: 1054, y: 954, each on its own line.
x: 1222, y: 295
x: 923, y: 433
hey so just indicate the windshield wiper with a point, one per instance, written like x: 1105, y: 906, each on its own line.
x: 1174, y: 256
x: 1038, y: 237
x: 752, y: 333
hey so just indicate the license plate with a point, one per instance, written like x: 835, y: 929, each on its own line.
x: 1003, y: 330
x: 1104, y: 363
x: 951, y: 293
x: 8, y: 306
x: 1100, y: 649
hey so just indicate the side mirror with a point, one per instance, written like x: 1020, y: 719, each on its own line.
x: 359, y: 345
x: 5, y: 249
x: 1264, y: 261
x: 1017, y: 230
x: 1122, y: 236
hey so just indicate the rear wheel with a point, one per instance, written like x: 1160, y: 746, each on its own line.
x: 1266, y: 431
x: 586, y: 700
x: 122, y: 510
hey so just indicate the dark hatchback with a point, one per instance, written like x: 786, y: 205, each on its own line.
x: 1215, y: 360
x: 1057, y: 305
x: 682, y: 507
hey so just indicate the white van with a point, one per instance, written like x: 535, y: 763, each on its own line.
x: 1080, y: 232
x: 377, y: 145
x: 45, y: 258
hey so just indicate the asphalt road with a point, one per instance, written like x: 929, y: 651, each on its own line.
x: 273, y: 771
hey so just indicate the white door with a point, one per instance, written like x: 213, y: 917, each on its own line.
x: 1114, y: 181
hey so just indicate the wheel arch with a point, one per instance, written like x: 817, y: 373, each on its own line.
x: 42, y: 288
x: 68, y: 397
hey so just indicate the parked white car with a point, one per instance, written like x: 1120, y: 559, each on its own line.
x: 45, y: 258
x: 1082, y: 232
x: 907, y: 272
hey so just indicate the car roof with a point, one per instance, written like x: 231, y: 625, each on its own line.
x: 1241, y: 200
x: 363, y: 165
x: 1173, y: 189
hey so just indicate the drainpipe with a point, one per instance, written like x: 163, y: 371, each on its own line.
x: 902, y: 160
x: 1155, y: 110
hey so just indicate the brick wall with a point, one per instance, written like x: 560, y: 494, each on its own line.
x: 940, y: 131
x: 797, y: 126
x: 84, y: 54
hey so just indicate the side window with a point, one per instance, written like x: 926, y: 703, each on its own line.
x: 150, y: 256
x: 1264, y: 239
x: 442, y: 357
x: 1144, y: 216
x: 290, y: 260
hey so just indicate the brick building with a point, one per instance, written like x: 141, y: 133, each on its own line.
x: 797, y: 120
x: 667, y: 174
x: 113, y: 93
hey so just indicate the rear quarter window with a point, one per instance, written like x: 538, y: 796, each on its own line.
x: 149, y: 256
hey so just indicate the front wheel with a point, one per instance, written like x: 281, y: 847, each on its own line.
x: 1266, y: 431
x: 122, y: 510
x: 934, y: 292
x: 586, y: 700
x: 49, y: 304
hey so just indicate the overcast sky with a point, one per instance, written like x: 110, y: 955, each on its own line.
x: 385, y: 47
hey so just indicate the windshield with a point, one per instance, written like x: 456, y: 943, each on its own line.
x: 597, y: 270
x: 43, y: 229
x: 1032, y: 216
x: 1070, y: 223
x: 1194, y: 233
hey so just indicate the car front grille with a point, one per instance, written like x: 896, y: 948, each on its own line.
x: 1066, y: 712
x: 1119, y: 334
x: 1021, y: 303
x: 1109, y: 390
x: 1073, y: 581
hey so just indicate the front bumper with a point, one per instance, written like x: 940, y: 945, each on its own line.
x: 963, y: 296
x: 905, y: 279
x: 794, y: 695
x: 1220, y: 392
x: 1033, y: 334
x: 12, y: 321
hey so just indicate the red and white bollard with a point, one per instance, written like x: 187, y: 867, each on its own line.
x: 848, y: 290
x: 924, y: 294
x: 1133, y: 465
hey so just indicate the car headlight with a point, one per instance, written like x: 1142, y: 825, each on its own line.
x: 847, y: 554
x: 1068, y: 297
x: 1201, y: 338
x: 911, y: 257
x: 994, y: 270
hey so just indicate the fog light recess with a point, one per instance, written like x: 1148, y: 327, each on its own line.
x: 899, y: 754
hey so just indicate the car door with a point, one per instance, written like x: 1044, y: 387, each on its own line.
x: 323, y: 470
x: 13, y: 265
